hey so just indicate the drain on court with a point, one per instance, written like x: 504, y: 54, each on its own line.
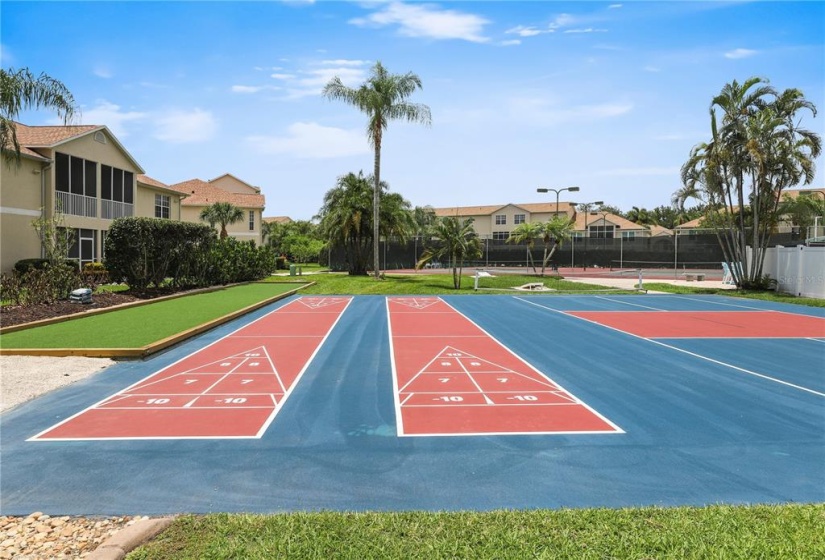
x: 232, y: 388
x: 452, y: 378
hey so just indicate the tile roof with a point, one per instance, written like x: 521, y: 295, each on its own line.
x: 278, y: 220
x: 154, y: 183
x: 583, y: 218
x: 201, y: 193
x: 52, y: 136
x: 47, y: 136
x: 532, y: 207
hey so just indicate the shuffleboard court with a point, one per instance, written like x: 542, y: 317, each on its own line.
x: 232, y: 388
x: 708, y: 324
x: 453, y: 378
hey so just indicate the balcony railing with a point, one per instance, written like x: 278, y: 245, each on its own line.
x: 112, y: 209
x: 76, y: 204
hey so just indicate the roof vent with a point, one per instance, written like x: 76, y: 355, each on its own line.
x: 100, y: 137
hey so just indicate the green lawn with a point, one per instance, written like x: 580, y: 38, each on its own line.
x: 136, y: 327
x: 792, y: 531
x: 422, y: 283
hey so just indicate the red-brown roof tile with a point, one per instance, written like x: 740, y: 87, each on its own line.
x: 201, y: 193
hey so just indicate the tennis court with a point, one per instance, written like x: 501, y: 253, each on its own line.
x: 442, y: 403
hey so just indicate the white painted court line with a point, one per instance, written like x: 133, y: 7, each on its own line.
x: 125, y: 392
x: 694, y: 354
x: 576, y: 401
x: 628, y: 303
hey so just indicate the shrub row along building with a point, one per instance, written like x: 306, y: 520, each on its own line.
x: 86, y: 174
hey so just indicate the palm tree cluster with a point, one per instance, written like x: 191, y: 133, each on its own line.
x: 554, y: 233
x: 383, y: 98
x: 223, y: 213
x: 757, y: 150
x: 346, y: 218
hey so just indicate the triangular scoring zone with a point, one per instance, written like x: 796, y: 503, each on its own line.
x: 415, y: 303
x: 452, y: 360
x: 319, y: 302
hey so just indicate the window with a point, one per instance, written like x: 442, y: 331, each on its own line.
x: 75, y: 175
x: 162, y: 204
x: 501, y: 219
x: 251, y: 220
x: 519, y: 219
x: 629, y: 235
x: 83, y: 246
x: 501, y: 235
x: 601, y: 232
x: 116, y: 184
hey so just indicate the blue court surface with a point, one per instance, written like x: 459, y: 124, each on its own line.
x: 735, y: 418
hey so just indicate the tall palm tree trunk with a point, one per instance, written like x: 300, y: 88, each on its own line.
x: 376, y: 205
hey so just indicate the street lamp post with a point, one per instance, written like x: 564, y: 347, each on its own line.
x: 557, y: 191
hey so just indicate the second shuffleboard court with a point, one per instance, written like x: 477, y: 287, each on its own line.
x: 452, y: 378
x: 232, y: 388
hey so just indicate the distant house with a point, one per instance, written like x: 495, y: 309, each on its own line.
x: 226, y: 188
x: 497, y: 222
x: 278, y: 220
x: 82, y: 171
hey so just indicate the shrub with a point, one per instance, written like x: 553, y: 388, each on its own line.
x: 23, y: 265
x: 280, y: 263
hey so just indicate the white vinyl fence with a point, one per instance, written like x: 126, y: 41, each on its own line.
x: 798, y: 270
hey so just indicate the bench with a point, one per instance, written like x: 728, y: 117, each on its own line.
x: 690, y: 277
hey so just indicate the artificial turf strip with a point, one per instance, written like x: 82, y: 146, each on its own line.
x: 140, y: 326
x: 746, y: 532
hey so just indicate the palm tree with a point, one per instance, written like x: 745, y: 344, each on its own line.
x: 555, y: 233
x: 383, y: 98
x: 527, y: 233
x: 457, y: 241
x: 19, y: 90
x: 223, y: 213
x: 346, y: 218
x: 756, y: 151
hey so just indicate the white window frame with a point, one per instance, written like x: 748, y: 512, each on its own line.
x: 501, y: 219
x: 519, y: 219
x: 163, y: 202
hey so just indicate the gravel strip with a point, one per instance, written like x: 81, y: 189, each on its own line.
x: 40, y: 536
x: 23, y: 378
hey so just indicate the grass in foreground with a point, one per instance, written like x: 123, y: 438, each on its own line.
x: 790, y: 531
x: 138, y: 326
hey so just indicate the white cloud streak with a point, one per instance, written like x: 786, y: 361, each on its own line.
x: 185, y: 126
x: 427, y: 21
x: 312, y: 141
x: 740, y: 53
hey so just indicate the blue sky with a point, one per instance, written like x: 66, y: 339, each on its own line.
x: 609, y: 96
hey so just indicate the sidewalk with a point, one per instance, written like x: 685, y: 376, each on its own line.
x: 630, y: 282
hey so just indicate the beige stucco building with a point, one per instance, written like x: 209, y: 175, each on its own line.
x: 85, y: 173
x: 226, y: 188
x: 497, y: 222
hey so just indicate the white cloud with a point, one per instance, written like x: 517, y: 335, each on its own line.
x: 102, y: 71
x: 525, y: 31
x: 585, y: 30
x: 545, y: 112
x: 510, y: 43
x: 282, y: 76
x: 740, y: 53
x: 111, y: 115
x: 253, y: 89
x: 614, y: 6
x: 314, y: 141
x: 428, y: 21
x: 183, y: 127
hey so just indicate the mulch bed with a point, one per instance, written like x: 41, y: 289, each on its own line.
x: 18, y: 314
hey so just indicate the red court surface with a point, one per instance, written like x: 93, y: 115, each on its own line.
x: 708, y: 324
x: 451, y: 378
x: 232, y: 388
